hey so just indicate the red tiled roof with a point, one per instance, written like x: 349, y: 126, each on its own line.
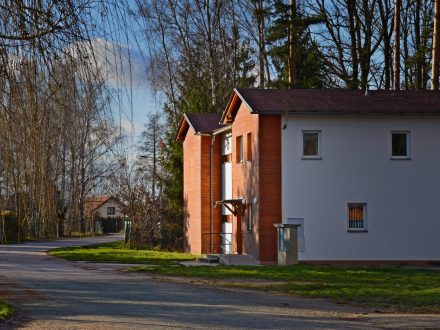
x: 340, y: 101
x: 94, y: 202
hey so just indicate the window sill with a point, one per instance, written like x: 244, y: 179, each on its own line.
x: 357, y: 230
x: 400, y: 158
x: 311, y: 158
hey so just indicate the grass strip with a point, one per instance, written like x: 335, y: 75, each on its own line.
x: 5, y: 310
x: 115, y: 252
x: 393, y: 288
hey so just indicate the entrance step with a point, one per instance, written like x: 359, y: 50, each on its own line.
x: 209, y: 258
x: 238, y: 260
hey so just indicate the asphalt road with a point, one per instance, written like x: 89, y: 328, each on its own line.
x: 51, y: 293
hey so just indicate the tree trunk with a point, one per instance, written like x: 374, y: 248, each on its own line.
x: 419, y: 51
x: 351, y: 6
x: 261, y: 42
x: 292, y: 44
x: 436, y: 46
x: 396, y: 80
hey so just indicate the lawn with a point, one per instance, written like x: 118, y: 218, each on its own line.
x: 115, y: 252
x: 394, y: 288
x: 5, y: 310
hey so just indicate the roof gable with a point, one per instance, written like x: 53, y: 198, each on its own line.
x: 199, y: 122
x: 95, y: 202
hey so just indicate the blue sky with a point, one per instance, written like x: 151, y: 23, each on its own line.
x: 123, y: 57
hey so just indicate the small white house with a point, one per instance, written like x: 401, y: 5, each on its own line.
x: 105, y: 212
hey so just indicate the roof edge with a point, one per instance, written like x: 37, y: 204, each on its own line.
x: 184, y: 125
x: 231, y: 109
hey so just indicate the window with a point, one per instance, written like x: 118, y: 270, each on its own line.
x: 311, y: 144
x: 226, y: 143
x: 249, y: 147
x: 400, y: 145
x: 110, y: 210
x: 249, y: 223
x: 357, y: 217
x: 239, y: 149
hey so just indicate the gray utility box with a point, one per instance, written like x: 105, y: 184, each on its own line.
x: 287, y: 236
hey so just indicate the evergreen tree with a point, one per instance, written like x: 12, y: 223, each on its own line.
x: 307, y: 56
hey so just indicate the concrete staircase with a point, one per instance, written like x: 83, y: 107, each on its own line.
x: 238, y: 260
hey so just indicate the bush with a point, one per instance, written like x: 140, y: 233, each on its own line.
x: 11, y: 228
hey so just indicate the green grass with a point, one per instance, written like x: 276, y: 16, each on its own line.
x: 5, y: 310
x: 394, y: 288
x: 115, y: 252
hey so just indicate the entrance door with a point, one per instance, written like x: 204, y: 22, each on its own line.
x: 226, y: 237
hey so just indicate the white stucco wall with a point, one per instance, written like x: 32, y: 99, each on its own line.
x: 403, y: 196
x: 102, y: 210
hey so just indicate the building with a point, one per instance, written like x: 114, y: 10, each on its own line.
x: 358, y: 172
x: 105, y: 212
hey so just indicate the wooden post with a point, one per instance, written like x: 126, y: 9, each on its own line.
x: 238, y: 235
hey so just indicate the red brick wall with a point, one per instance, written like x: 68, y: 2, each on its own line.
x: 205, y: 189
x: 196, y: 191
x: 270, y: 185
x: 192, y: 192
x: 245, y: 178
x: 260, y: 179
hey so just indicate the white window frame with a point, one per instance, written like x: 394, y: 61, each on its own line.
x: 364, y: 229
x: 250, y: 220
x: 227, y: 144
x: 408, y: 145
x: 319, y: 154
x: 111, y: 208
x: 239, y: 140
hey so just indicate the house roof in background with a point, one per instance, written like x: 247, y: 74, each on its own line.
x: 340, y: 101
x: 94, y: 202
x: 199, y: 122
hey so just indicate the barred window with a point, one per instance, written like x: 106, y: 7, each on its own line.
x: 357, y: 216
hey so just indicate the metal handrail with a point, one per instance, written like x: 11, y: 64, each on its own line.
x: 228, y: 243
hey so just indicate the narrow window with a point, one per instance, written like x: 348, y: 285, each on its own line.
x: 311, y: 144
x: 249, y: 223
x: 249, y: 147
x: 110, y: 210
x: 357, y: 216
x: 400, y: 145
x: 239, y: 149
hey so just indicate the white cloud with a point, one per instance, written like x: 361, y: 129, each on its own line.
x: 130, y: 128
x: 120, y: 66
